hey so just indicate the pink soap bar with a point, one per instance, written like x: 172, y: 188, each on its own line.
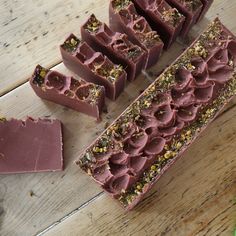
x: 124, y: 18
x: 82, y: 96
x: 30, y: 146
x: 206, y: 5
x: 191, y: 9
x: 114, y: 45
x: 163, y: 18
x: 93, y: 66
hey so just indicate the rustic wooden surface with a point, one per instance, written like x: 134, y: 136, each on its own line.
x: 196, y: 197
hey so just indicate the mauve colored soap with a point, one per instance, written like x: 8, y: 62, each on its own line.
x: 114, y: 45
x: 153, y: 132
x: 76, y: 94
x: 163, y: 18
x: 191, y: 9
x: 125, y: 19
x: 30, y: 146
x: 206, y: 5
x: 93, y: 66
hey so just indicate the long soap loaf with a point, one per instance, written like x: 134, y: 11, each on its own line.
x: 115, y: 45
x: 79, y: 95
x: 191, y: 9
x: 163, y: 18
x: 93, y: 66
x: 132, y: 154
x: 124, y: 18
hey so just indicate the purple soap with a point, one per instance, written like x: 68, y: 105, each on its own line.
x: 114, y: 45
x: 92, y: 66
x: 206, y: 5
x: 191, y: 9
x: 30, y: 146
x: 167, y: 21
x: 154, y: 131
x: 79, y: 95
x: 125, y: 19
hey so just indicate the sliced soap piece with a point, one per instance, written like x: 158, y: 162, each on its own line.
x: 114, y: 45
x: 163, y: 18
x: 206, y: 5
x: 191, y: 9
x: 92, y: 66
x: 30, y: 146
x: 79, y: 95
x: 125, y: 19
x: 153, y: 132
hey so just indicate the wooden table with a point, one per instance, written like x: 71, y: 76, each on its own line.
x: 196, y: 197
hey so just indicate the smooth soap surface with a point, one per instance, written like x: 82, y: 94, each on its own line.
x: 30, y: 146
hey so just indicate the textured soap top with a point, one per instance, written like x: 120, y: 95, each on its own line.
x: 66, y: 85
x: 149, y: 136
x: 80, y: 95
x: 93, y: 66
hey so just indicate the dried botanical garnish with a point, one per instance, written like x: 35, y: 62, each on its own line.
x: 120, y: 4
x: 94, y: 93
x: 93, y: 24
x: 172, y: 16
x: 191, y: 4
x: 3, y: 119
x: 109, y: 72
x: 71, y: 44
x: 40, y: 74
x: 150, y: 39
x: 133, y: 53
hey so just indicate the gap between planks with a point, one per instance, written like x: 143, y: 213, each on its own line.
x: 27, y: 80
x: 41, y: 233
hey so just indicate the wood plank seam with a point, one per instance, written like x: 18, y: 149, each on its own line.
x: 70, y: 214
x: 26, y: 80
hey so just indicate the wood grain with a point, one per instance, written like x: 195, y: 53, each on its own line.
x: 196, y: 194
x: 31, y: 30
x: 196, y: 197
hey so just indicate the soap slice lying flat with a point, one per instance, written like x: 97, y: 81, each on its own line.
x: 133, y: 153
x: 76, y: 94
x: 30, y: 146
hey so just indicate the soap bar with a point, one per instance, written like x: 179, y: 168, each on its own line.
x: 163, y: 18
x: 30, y: 146
x: 79, y: 95
x: 206, y: 5
x: 92, y: 66
x: 191, y: 9
x: 114, y: 45
x: 125, y: 19
x: 153, y: 132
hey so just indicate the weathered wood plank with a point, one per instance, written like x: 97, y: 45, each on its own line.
x: 30, y: 32
x: 196, y: 197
